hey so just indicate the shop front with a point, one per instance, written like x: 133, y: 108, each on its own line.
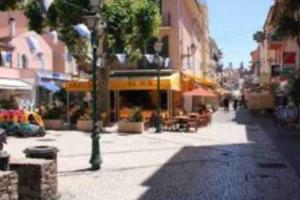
x: 141, y: 91
x: 15, y: 93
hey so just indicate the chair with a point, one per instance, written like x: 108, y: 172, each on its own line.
x: 169, y: 124
x: 193, y: 123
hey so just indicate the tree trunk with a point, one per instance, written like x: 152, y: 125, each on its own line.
x: 104, y: 94
x: 103, y: 89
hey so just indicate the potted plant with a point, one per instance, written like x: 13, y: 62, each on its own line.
x: 53, y: 119
x: 84, y: 123
x: 135, y: 123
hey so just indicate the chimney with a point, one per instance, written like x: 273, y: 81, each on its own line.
x: 12, y: 27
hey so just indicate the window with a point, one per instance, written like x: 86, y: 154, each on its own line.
x: 23, y: 61
x: 1, y: 60
x: 41, y: 60
x: 6, y: 58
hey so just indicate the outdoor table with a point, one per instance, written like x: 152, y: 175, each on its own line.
x: 182, y: 120
x: 193, y: 115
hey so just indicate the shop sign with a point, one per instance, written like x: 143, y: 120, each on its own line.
x: 142, y: 83
x: 289, y: 58
x: 53, y: 75
x: 76, y: 86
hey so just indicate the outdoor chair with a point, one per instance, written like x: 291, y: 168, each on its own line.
x: 192, y: 123
x: 169, y: 125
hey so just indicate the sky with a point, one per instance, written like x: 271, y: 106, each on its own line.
x: 232, y: 25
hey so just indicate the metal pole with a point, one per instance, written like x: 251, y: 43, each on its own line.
x: 68, y: 110
x: 158, y: 121
x: 95, y: 160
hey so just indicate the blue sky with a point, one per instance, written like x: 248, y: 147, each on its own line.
x: 232, y: 25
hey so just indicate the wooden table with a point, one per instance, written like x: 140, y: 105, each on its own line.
x: 182, y: 121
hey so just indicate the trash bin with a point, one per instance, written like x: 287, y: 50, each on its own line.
x: 42, y: 152
x: 4, y: 161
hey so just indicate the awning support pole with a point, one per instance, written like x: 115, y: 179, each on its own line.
x: 68, y: 109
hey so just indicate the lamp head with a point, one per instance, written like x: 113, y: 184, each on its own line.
x: 193, y: 49
x: 158, y: 46
x: 95, y: 4
x: 91, y: 21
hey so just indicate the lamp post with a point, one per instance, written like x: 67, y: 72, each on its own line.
x: 158, y: 48
x: 92, y: 21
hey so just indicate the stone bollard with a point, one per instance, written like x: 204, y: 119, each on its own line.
x: 8, y: 185
x: 37, y: 179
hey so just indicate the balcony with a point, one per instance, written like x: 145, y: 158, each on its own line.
x: 275, y: 42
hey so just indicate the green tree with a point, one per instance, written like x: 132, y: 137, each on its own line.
x: 286, y: 19
x: 11, y: 5
x: 130, y: 24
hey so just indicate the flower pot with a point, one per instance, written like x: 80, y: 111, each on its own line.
x: 86, y: 125
x: 54, y: 124
x: 131, y: 127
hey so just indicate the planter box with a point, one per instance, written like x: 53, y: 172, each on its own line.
x: 54, y: 124
x: 86, y: 125
x: 131, y: 127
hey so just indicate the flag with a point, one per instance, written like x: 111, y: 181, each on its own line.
x: 167, y: 62
x: 54, y: 36
x: 150, y: 58
x: 33, y: 44
x: 82, y: 30
x: 121, y: 58
x: 44, y: 6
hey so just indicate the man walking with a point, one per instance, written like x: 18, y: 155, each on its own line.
x: 226, y: 104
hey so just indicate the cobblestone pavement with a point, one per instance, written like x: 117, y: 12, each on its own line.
x: 231, y: 159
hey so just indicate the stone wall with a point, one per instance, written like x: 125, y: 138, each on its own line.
x: 8, y: 185
x: 37, y: 179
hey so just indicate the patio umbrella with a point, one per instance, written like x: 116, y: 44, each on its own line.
x: 201, y: 92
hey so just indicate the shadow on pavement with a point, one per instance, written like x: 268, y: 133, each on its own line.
x: 253, y: 170
x: 286, y: 139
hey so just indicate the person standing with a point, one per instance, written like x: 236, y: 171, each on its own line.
x: 226, y: 104
x: 235, y: 104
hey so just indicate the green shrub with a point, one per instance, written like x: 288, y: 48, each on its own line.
x: 136, y: 116
x: 54, y: 113
x: 8, y: 104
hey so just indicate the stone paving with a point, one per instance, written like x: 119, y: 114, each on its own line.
x: 230, y: 159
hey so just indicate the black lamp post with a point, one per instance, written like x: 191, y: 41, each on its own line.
x: 93, y: 22
x: 158, y: 61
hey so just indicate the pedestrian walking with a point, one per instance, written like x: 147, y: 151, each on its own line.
x: 226, y: 104
x: 235, y: 104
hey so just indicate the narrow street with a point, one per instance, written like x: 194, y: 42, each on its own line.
x: 234, y: 158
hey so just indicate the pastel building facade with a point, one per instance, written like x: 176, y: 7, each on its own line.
x: 185, y: 24
x: 30, y: 59
x: 278, y: 57
x: 186, y: 48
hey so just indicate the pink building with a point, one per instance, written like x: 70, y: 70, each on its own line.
x: 30, y: 59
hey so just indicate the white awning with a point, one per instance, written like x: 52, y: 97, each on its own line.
x: 14, y: 84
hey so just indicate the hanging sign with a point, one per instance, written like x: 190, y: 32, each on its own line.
x: 78, y: 86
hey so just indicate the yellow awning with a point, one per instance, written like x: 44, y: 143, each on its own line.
x: 201, y: 80
x: 78, y: 86
x: 171, y: 82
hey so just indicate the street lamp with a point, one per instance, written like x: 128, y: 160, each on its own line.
x: 92, y: 22
x: 158, y: 48
x: 191, y: 50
